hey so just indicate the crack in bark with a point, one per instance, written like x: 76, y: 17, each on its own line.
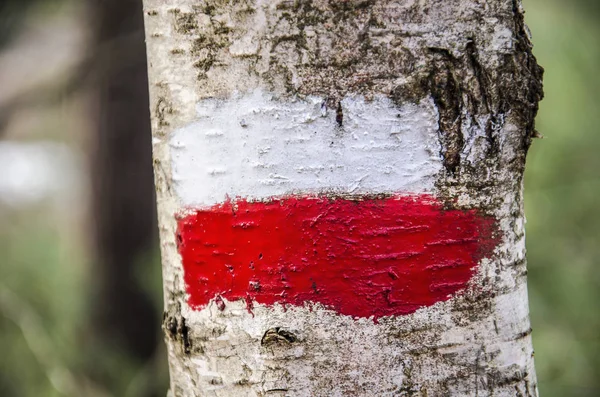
x: 446, y: 93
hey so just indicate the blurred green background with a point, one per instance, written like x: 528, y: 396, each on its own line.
x: 562, y: 199
x: 49, y: 265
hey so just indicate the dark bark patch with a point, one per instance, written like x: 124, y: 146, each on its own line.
x: 185, y: 23
x: 162, y: 110
x: 339, y: 114
x: 277, y: 335
x: 176, y: 329
x: 447, y: 96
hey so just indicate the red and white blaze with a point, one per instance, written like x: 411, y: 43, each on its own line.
x: 281, y: 205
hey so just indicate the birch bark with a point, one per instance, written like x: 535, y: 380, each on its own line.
x: 257, y: 101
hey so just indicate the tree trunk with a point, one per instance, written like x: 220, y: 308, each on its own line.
x: 340, y: 195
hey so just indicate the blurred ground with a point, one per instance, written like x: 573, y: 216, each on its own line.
x: 46, y: 270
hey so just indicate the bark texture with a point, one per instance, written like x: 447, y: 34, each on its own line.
x: 454, y: 81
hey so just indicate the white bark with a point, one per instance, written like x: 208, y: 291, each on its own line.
x: 438, y: 97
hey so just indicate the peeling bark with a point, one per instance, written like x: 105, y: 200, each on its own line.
x: 367, y: 100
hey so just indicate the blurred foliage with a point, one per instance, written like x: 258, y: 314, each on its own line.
x: 32, y: 264
x: 45, y: 275
x: 562, y: 186
x: 44, y: 300
x: 13, y: 12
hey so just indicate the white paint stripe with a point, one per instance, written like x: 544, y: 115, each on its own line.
x: 257, y: 146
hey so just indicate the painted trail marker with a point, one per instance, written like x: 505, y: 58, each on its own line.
x: 283, y: 206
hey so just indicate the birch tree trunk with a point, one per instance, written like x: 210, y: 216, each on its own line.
x: 340, y: 195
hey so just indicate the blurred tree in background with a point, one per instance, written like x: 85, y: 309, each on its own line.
x: 124, y: 229
x: 76, y: 202
x: 108, y: 346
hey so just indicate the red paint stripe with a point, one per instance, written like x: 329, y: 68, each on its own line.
x: 369, y: 257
